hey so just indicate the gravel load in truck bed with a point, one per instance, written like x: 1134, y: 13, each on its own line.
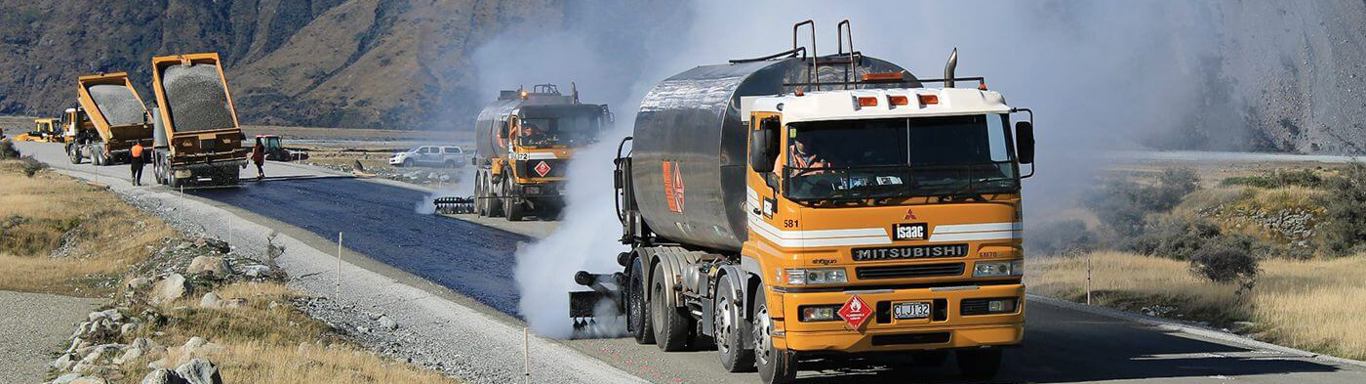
x: 118, y: 104
x: 197, y: 97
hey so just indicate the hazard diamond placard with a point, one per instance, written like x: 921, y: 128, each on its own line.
x: 855, y: 312
x: 542, y: 168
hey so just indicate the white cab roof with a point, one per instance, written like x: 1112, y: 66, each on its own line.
x: 844, y: 105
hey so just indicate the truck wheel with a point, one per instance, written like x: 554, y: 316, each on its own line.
x: 480, y: 203
x: 515, y: 211
x: 731, y: 328
x: 671, y: 324
x: 979, y: 364
x: 73, y: 152
x: 775, y: 365
x: 495, y: 203
x: 637, y: 312
x: 407, y: 163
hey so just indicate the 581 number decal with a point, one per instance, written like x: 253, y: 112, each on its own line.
x: 790, y: 224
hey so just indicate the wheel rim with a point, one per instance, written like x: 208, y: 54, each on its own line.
x: 657, y: 313
x: 763, y: 350
x: 725, y: 323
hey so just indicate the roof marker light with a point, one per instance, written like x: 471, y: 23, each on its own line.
x: 867, y: 101
x: 884, y: 77
x: 898, y: 100
x: 928, y: 99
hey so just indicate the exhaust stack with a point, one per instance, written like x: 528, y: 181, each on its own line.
x: 949, y: 67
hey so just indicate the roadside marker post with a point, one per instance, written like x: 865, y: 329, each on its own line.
x: 1088, y: 279
x: 337, y: 293
x: 526, y: 352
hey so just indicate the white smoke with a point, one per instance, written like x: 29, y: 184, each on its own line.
x: 461, y: 186
x: 1100, y: 76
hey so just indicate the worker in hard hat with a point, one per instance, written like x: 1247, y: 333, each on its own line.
x: 136, y: 159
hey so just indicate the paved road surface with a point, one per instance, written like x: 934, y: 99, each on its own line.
x: 1061, y: 345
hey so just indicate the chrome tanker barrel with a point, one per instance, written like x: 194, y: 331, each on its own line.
x: 487, y: 144
x: 693, y: 122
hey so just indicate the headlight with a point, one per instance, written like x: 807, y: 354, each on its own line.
x: 815, y: 276
x: 533, y: 190
x: 998, y: 268
x: 819, y: 312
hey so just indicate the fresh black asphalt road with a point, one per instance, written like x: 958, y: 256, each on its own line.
x: 1061, y: 345
x: 381, y: 221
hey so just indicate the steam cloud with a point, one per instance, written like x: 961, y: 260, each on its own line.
x: 1100, y: 75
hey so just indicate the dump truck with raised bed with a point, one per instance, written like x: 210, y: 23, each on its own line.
x: 794, y: 208
x: 108, y: 120
x: 198, y: 142
x: 523, y: 144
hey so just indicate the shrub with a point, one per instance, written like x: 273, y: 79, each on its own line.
x: 1224, y: 263
x: 1176, y: 237
x: 1122, y: 205
x: 1060, y: 237
x: 7, y: 150
x: 32, y: 166
x: 1278, y: 178
x: 1344, y: 224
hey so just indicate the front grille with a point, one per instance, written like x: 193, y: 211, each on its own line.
x: 911, y: 338
x: 907, y: 271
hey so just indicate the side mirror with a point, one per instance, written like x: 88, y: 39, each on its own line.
x: 503, y: 130
x: 1024, y: 142
x: 763, y: 146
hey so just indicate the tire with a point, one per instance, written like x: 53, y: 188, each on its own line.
x: 979, y: 364
x: 774, y: 365
x: 515, y: 211
x: 671, y: 324
x: 450, y: 163
x: 157, y: 169
x: 730, y: 329
x: 637, y: 310
x: 407, y: 163
x: 73, y: 153
x: 481, y: 208
x: 495, y: 203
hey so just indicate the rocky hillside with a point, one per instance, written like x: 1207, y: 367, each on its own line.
x: 357, y: 63
x: 1273, y: 76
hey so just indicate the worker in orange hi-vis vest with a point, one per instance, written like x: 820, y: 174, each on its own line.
x: 136, y: 160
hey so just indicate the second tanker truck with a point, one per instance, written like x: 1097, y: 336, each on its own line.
x: 524, y: 142
x: 796, y: 207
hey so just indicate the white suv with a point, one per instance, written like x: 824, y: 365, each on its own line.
x: 431, y: 156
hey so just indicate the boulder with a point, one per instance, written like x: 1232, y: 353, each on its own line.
x: 66, y: 379
x: 210, y: 300
x: 169, y: 289
x: 63, y: 363
x: 162, y: 376
x: 89, y: 380
x: 128, y: 328
x: 138, y: 283
x: 387, y: 323
x: 129, y: 354
x: 255, y: 270
x: 199, y: 371
x: 213, y: 244
x: 208, y: 266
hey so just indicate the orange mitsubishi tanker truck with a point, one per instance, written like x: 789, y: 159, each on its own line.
x: 794, y: 207
x: 523, y: 144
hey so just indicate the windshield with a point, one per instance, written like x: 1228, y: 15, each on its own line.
x: 564, y: 131
x: 891, y: 158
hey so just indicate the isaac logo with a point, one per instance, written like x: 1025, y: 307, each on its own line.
x: 909, y: 231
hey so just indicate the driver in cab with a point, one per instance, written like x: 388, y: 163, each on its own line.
x: 801, y: 155
x: 531, y: 134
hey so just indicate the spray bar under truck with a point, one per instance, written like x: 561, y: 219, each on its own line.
x: 797, y: 207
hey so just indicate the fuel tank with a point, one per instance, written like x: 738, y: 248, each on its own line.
x: 491, y: 119
x: 693, y: 122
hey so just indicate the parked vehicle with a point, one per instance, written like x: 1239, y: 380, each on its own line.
x: 431, y: 156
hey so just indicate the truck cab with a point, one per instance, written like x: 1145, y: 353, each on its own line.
x: 887, y: 219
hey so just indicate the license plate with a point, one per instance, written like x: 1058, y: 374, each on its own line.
x: 912, y: 310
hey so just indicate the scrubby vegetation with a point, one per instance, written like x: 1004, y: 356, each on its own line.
x: 1266, y: 254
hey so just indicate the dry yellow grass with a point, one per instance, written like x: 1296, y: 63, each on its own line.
x: 37, y: 212
x: 1311, y: 304
x: 272, y: 345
